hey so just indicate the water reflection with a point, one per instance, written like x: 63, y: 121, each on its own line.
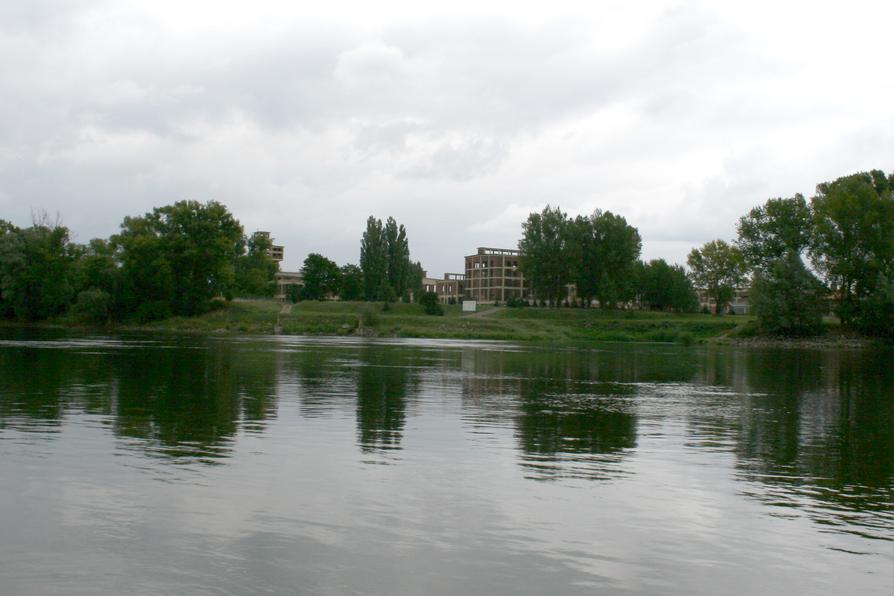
x: 383, y: 381
x: 817, y: 429
x: 180, y: 398
x: 808, y: 432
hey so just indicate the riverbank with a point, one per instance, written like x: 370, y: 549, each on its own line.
x: 489, y: 323
x: 566, y: 326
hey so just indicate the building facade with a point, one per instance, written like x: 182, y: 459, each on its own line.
x: 452, y: 287
x: 276, y: 251
x: 494, y: 275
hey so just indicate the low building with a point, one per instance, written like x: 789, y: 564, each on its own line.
x: 740, y: 303
x: 452, y: 287
x: 494, y: 275
x: 285, y: 280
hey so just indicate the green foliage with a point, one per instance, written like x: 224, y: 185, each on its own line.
x: 351, y: 283
x: 607, y: 249
x: 93, y: 305
x: 255, y: 269
x: 665, y: 287
x: 768, y: 232
x: 853, y: 240
x: 547, y: 254
x: 37, y: 272
x: 293, y: 293
x: 176, y: 258
x: 430, y: 304
x: 719, y: 268
x: 321, y: 276
x: 388, y: 273
x: 787, y: 299
x: 876, y: 312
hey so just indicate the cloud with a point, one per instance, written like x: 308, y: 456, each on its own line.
x: 678, y: 115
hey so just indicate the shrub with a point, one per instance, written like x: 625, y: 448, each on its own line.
x: 430, y: 304
x: 93, y: 305
x: 787, y: 299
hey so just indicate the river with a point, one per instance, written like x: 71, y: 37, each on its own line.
x: 147, y: 464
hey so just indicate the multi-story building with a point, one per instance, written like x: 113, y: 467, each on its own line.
x: 451, y: 287
x: 493, y: 275
x: 276, y: 251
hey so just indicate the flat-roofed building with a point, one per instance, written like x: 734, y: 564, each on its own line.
x: 451, y: 287
x: 494, y: 275
x: 276, y: 251
x: 285, y: 280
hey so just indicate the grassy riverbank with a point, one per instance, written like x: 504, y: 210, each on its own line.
x: 408, y: 320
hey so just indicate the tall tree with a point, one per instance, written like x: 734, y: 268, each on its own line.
x: 398, y: 252
x: 374, y: 260
x: 665, y: 287
x: 853, y: 240
x: 718, y: 268
x: 616, y: 248
x: 351, y: 283
x: 255, y: 269
x: 775, y: 229
x: 321, y: 277
x: 176, y: 258
x: 37, y: 269
x: 787, y: 298
x: 547, y: 255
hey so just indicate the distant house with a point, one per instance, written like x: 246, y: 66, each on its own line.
x: 286, y: 280
x: 740, y: 303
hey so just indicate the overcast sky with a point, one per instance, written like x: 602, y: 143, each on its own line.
x: 457, y: 121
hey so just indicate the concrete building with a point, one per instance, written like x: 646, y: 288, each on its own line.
x: 276, y: 251
x: 493, y: 275
x: 285, y: 280
x: 453, y: 286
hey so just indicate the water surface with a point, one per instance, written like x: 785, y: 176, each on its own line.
x: 273, y: 465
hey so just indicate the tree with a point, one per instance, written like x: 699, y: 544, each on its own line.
x: 430, y: 304
x: 853, y: 240
x: 255, y: 269
x: 374, y: 260
x: 385, y: 261
x: 321, y: 277
x: 718, y: 268
x: 37, y: 272
x: 787, y: 299
x: 771, y: 231
x: 398, y: 252
x: 610, y: 256
x: 665, y: 287
x: 176, y: 258
x: 351, y: 283
x: 547, y: 254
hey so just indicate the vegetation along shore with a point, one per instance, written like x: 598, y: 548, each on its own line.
x: 821, y: 268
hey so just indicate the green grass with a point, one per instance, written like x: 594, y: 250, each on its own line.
x: 408, y: 320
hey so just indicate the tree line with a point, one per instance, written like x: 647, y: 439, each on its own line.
x: 599, y: 255
x: 385, y: 273
x: 802, y: 258
x: 174, y: 260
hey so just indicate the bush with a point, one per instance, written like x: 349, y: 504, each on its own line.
x: 369, y: 318
x: 787, y: 299
x: 93, y: 305
x: 153, y: 310
x: 516, y: 303
x: 430, y: 304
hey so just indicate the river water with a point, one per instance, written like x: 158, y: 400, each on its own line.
x: 288, y: 465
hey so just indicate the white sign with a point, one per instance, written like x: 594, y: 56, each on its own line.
x: 469, y: 305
